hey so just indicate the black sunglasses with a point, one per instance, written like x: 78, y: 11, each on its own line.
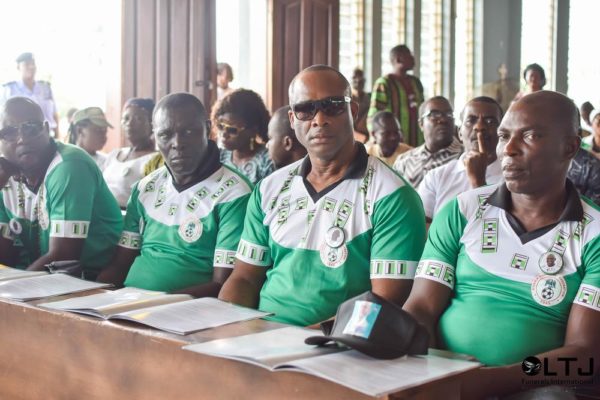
x: 27, y: 129
x: 330, y: 106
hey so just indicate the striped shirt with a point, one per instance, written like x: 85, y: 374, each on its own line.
x: 402, y: 98
x: 414, y: 164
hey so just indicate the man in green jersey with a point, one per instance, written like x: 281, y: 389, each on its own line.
x: 512, y: 271
x: 330, y: 226
x: 184, y: 220
x: 54, y: 205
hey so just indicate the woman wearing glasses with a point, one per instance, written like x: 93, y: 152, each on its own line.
x: 240, y: 119
x: 125, y: 166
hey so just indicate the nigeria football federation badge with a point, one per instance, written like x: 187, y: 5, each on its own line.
x: 15, y: 226
x: 190, y: 230
x: 548, y: 290
x: 333, y: 257
x: 550, y: 263
x: 335, y: 237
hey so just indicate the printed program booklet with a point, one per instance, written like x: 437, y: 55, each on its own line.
x: 184, y: 317
x: 284, y: 350
x: 9, y: 273
x: 48, y: 285
x: 107, y: 304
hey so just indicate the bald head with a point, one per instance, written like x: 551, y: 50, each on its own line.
x: 179, y: 101
x: 558, y: 108
x: 22, y: 109
x: 323, y: 73
x: 280, y: 123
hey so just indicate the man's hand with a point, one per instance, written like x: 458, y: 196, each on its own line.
x: 476, y: 163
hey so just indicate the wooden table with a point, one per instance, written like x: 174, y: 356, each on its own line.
x: 57, y: 355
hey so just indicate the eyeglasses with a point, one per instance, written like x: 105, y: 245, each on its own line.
x: 28, y: 129
x: 487, y: 121
x: 330, y: 106
x: 230, y: 129
x: 436, y: 115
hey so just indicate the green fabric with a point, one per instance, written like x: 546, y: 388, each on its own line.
x: 74, y: 203
x: 300, y: 290
x: 381, y: 100
x: 166, y: 261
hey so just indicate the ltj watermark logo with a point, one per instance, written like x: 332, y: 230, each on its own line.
x: 571, y: 370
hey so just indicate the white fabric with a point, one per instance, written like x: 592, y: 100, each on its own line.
x: 444, y: 183
x: 121, y: 176
x: 100, y: 159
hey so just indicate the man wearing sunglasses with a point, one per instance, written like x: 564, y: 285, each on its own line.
x: 55, y: 203
x: 440, y: 147
x: 330, y: 226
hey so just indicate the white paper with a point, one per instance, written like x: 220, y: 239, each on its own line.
x: 8, y: 273
x: 49, y: 285
x: 104, y: 305
x: 265, y: 349
x: 191, y: 316
x: 378, y: 377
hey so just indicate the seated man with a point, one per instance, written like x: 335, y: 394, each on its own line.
x: 184, y: 220
x: 284, y: 148
x: 513, y: 270
x: 55, y: 206
x: 477, y: 166
x: 388, y: 142
x: 440, y: 147
x: 328, y: 227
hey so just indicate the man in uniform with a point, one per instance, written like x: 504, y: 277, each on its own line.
x: 512, y: 270
x: 477, y: 166
x: 54, y: 204
x: 284, y: 148
x: 441, y: 145
x: 328, y: 227
x: 38, y: 91
x: 184, y: 220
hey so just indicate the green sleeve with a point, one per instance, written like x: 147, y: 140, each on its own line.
x: 254, y: 243
x: 438, y: 261
x: 4, y: 220
x: 589, y: 290
x: 131, y: 238
x: 379, y: 98
x: 71, y: 190
x: 231, y: 224
x: 398, y: 235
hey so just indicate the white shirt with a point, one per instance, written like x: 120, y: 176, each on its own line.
x: 121, y: 175
x: 100, y: 159
x: 444, y: 183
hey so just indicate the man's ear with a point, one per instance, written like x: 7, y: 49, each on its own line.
x: 288, y: 143
x: 572, y: 146
x: 291, y: 118
x: 421, y: 123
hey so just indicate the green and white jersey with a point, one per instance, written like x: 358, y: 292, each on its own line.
x: 512, y: 290
x: 182, y: 235
x: 72, y: 201
x: 325, y: 247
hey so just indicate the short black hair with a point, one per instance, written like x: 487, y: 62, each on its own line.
x: 222, y: 67
x: 538, y: 68
x: 143, y: 103
x: 380, y: 116
x: 24, y: 57
x: 73, y: 133
x: 283, y: 125
x: 483, y: 99
x: 181, y: 99
x: 397, y: 50
x: 424, y: 104
x: 322, y: 67
x: 248, y: 106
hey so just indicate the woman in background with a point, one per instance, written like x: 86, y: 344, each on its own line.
x: 125, y: 166
x: 241, y: 119
x: 88, y: 130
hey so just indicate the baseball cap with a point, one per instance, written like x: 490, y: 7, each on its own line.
x: 376, y: 327
x: 24, y: 57
x: 94, y: 114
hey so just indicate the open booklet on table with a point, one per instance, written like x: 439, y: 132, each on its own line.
x: 173, y: 313
x: 45, y: 285
x: 8, y: 273
x: 284, y: 350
